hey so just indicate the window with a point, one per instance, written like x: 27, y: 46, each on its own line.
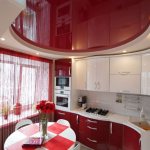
x: 23, y: 80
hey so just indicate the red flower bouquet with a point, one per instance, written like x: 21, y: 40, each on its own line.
x: 45, y: 108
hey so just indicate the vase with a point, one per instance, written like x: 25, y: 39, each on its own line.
x: 43, y: 127
x: 17, y: 109
x: 6, y: 116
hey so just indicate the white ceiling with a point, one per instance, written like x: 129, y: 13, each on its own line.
x: 9, y: 9
x: 17, y: 44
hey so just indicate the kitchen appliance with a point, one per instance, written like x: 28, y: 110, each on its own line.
x: 82, y: 101
x: 62, y: 99
x: 97, y: 111
x: 62, y: 83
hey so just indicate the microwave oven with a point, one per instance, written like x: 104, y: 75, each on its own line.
x: 62, y: 83
x: 62, y: 99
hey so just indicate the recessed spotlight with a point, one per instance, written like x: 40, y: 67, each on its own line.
x: 2, y: 39
x: 124, y: 51
x: 37, y: 53
x: 148, y: 36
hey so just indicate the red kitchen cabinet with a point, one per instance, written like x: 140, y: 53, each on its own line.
x: 74, y: 121
x: 94, y: 133
x: 63, y: 67
x: 61, y: 115
x: 103, y: 135
x: 88, y: 131
x: 116, y: 136
x: 131, y: 139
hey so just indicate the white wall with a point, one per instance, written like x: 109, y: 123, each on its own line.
x: 131, y: 104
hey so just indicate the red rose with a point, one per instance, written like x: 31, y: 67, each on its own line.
x: 45, y: 107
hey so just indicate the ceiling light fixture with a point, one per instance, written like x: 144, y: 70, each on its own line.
x: 124, y: 51
x: 2, y: 39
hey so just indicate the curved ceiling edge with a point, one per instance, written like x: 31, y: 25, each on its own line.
x: 138, y: 44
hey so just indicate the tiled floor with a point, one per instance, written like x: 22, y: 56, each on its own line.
x: 85, y: 148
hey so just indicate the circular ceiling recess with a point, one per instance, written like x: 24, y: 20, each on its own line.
x: 82, y: 25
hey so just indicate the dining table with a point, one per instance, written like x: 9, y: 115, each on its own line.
x: 59, y: 137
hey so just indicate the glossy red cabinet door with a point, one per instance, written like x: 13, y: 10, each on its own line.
x: 116, y: 136
x: 63, y: 67
x: 131, y: 139
x: 74, y: 121
x: 103, y: 135
x: 88, y: 132
x: 61, y: 115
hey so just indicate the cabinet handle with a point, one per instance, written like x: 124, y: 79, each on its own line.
x: 85, y: 85
x: 69, y: 71
x: 126, y: 91
x: 88, y: 120
x: 110, y: 128
x: 91, y: 128
x: 60, y: 113
x: 124, y: 73
x: 95, y: 85
x: 94, y: 141
x: 140, y: 142
x: 77, y: 119
x: 98, y: 85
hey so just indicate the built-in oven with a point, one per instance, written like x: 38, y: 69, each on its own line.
x: 62, y: 83
x: 62, y: 99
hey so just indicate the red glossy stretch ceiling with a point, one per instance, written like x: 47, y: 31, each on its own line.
x: 82, y: 25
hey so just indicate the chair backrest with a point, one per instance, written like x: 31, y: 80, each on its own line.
x: 64, y: 122
x: 23, y: 123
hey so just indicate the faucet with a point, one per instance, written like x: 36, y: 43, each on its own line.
x: 142, y: 115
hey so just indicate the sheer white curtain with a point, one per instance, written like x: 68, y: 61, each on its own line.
x: 24, y: 81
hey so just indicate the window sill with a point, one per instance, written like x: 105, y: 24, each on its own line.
x: 14, y: 118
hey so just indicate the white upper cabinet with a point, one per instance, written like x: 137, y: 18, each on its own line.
x: 125, y: 83
x: 125, y: 74
x: 81, y: 73
x: 145, y: 75
x: 98, y: 74
x: 125, y: 64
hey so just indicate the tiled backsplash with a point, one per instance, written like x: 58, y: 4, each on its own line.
x: 119, y: 103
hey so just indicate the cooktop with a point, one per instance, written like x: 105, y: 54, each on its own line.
x: 98, y: 111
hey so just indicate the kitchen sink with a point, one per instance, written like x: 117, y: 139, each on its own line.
x: 142, y: 124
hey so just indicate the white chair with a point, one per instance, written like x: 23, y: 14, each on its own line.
x: 23, y: 123
x: 63, y: 122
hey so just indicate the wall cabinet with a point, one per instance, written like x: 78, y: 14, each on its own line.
x: 63, y: 67
x: 145, y: 75
x: 116, y: 136
x: 125, y: 83
x: 81, y: 74
x: 125, y: 74
x: 98, y: 74
x: 131, y: 139
x: 125, y: 65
